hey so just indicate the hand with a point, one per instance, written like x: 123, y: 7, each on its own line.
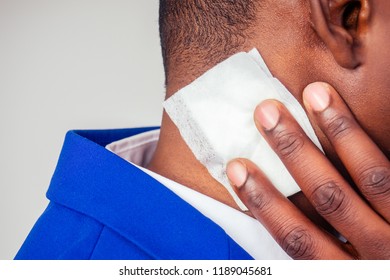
x: 361, y: 216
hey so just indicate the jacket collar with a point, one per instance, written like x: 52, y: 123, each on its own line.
x: 132, y: 203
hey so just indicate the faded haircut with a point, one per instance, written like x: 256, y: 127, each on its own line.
x: 203, y: 31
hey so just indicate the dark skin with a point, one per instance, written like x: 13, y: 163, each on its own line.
x: 347, y: 48
x: 361, y: 217
x: 356, y: 204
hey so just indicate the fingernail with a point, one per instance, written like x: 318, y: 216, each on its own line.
x: 317, y: 96
x: 237, y: 173
x: 267, y: 114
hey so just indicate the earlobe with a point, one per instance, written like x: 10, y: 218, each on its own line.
x: 337, y: 23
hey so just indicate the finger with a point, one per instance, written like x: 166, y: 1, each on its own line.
x: 326, y: 189
x: 367, y: 165
x: 292, y: 230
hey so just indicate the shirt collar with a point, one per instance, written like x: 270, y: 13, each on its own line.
x: 246, y: 231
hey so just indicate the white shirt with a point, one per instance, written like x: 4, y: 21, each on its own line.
x: 244, y: 230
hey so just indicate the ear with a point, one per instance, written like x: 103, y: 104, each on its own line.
x: 341, y: 25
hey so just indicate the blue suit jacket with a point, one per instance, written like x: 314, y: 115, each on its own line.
x: 102, y: 207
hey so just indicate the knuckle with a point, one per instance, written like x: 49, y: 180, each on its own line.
x: 377, y: 247
x: 257, y: 199
x: 298, y: 243
x: 339, y: 126
x: 375, y: 182
x: 289, y: 144
x: 328, y: 199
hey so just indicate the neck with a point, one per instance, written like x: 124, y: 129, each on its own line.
x: 173, y: 159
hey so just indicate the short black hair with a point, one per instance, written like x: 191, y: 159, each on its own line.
x: 204, y: 30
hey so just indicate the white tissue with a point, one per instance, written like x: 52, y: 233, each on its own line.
x: 214, y: 115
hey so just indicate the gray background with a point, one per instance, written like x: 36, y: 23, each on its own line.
x: 65, y: 65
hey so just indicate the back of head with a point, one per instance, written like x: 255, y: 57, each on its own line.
x: 201, y: 33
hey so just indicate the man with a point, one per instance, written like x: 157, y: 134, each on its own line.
x: 105, y: 208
